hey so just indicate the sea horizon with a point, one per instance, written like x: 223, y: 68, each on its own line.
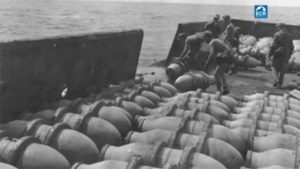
x: 30, y: 20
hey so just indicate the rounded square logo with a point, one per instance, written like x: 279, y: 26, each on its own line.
x: 261, y: 11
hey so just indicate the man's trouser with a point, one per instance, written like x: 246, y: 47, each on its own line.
x: 223, y: 59
x: 233, y: 44
x: 279, y: 66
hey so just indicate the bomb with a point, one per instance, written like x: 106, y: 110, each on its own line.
x: 81, y: 148
x: 158, y: 154
x: 192, y: 81
x: 177, y: 68
x: 28, y: 153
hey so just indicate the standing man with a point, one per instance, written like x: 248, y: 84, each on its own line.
x: 222, y: 53
x: 228, y: 35
x: 213, y: 26
x: 280, y: 53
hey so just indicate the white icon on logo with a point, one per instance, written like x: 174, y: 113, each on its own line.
x: 261, y: 8
x: 261, y: 11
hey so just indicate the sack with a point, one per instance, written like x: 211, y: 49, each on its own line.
x: 247, y: 40
x: 296, y: 45
x: 265, y: 42
x: 245, y: 51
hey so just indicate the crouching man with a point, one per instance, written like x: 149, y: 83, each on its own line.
x: 191, y: 48
x: 222, y: 54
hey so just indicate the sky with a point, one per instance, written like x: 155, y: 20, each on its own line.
x: 294, y: 3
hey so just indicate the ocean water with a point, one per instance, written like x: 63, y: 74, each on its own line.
x: 21, y: 19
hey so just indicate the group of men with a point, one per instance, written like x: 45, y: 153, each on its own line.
x: 224, y: 44
x: 221, y: 43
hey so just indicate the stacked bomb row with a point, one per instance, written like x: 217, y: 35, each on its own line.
x: 73, y: 150
x: 291, y: 100
x: 72, y: 144
x: 181, y: 124
x: 134, y: 147
x: 272, y: 114
x: 262, y: 144
x: 293, y: 128
x: 84, y: 124
x: 28, y: 152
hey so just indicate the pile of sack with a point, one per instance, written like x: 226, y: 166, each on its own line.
x: 257, y: 49
x: 294, y: 62
x: 246, y: 56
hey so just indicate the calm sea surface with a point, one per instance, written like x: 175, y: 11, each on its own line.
x: 41, y: 18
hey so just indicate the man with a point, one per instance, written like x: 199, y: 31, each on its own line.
x: 191, y: 48
x: 222, y: 53
x: 213, y: 26
x: 280, y: 52
x: 182, y: 38
x: 236, y: 38
x: 228, y: 35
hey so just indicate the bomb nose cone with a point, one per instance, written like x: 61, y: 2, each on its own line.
x: 37, y: 156
x: 225, y: 153
x: 28, y: 153
x: 169, y: 87
x: 220, y: 105
x: 162, y: 92
x: 144, y: 102
x: 6, y: 166
x: 116, y: 118
x: 151, y: 96
x: 229, y: 102
x: 76, y: 147
x: 184, y: 83
x: 218, y: 113
x: 251, y: 62
x: 123, y: 111
x: 132, y: 108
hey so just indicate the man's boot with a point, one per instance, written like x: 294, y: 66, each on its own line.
x: 275, y: 84
x: 225, y: 90
x: 232, y: 70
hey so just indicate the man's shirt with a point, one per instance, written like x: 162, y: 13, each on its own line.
x: 282, y: 44
x: 228, y: 34
x: 214, y: 28
x: 218, y: 46
x: 194, y: 39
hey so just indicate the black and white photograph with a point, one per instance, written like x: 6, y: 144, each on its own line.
x: 150, y: 84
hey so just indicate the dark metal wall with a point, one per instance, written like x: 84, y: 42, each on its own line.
x: 35, y: 71
x: 257, y: 29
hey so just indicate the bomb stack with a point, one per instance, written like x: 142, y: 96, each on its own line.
x: 140, y: 124
x: 270, y: 126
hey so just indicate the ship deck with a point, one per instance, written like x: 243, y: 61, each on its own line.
x: 245, y: 82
